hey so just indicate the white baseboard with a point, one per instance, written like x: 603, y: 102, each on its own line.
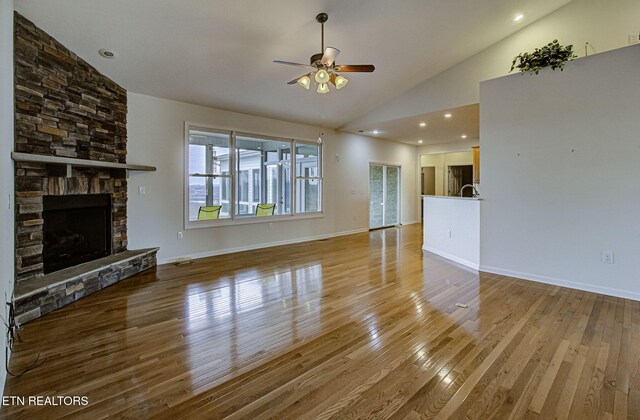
x: 466, y: 263
x: 258, y: 246
x: 563, y: 283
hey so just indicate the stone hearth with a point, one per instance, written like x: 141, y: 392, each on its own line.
x: 41, y: 295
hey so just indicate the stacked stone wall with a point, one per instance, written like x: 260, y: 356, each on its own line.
x: 63, y: 107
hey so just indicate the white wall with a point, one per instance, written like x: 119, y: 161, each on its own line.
x: 156, y: 137
x: 605, y: 24
x: 6, y: 169
x: 560, y: 170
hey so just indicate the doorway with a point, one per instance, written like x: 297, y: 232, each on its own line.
x: 428, y: 182
x: 458, y: 177
x: 384, y: 195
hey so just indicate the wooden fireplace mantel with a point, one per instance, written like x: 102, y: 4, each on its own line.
x: 71, y: 162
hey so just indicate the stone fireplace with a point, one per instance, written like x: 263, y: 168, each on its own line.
x: 70, y: 177
x: 40, y: 182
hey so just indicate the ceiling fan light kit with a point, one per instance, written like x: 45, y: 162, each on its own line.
x: 305, y: 81
x: 338, y: 81
x: 322, y: 76
x: 324, y: 68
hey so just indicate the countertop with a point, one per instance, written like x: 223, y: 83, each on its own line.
x: 453, y: 198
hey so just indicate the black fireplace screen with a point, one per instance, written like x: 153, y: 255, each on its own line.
x: 77, y: 229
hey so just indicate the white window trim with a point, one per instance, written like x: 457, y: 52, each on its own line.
x: 234, y: 219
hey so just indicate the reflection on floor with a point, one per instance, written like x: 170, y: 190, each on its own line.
x: 358, y: 326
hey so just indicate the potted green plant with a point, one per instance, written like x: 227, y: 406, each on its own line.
x: 551, y: 55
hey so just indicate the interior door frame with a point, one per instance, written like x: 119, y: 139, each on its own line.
x: 448, y: 180
x: 384, y: 186
x: 435, y: 186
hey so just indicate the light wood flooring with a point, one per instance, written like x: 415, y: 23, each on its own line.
x: 361, y: 326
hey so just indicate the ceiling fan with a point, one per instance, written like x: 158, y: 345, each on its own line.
x: 324, y: 69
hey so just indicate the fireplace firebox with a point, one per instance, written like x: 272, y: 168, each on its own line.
x: 77, y: 229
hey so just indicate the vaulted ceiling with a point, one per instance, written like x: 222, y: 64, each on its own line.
x: 220, y: 53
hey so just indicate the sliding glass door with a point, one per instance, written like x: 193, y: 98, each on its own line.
x: 384, y: 196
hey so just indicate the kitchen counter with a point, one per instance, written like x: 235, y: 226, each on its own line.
x: 446, y: 197
x: 452, y: 228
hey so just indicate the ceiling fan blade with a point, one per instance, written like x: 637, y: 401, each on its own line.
x: 366, y: 68
x: 288, y: 63
x: 329, y: 56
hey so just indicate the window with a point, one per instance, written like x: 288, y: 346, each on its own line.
x: 209, y: 171
x: 269, y: 162
x: 308, y: 179
x: 239, y: 171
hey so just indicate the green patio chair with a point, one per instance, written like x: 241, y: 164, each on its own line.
x: 265, y: 209
x: 209, y: 212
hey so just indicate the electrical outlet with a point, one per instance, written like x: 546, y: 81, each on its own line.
x: 634, y: 38
x: 180, y: 235
x: 607, y: 257
x: 142, y: 189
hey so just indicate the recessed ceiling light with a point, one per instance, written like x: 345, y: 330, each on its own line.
x: 464, y: 136
x: 420, y: 141
x: 447, y: 115
x: 106, y: 53
x: 423, y: 124
x: 518, y: 17
x: 375, y: 132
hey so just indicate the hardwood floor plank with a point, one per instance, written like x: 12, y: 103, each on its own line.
x: 549, y: 376
x: 361, y: 326
x: 473, y: 379
x: 524, y: 380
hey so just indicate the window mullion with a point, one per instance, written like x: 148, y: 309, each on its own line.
x: 234, y: 175
x: 320, y: 172
x: 263, y: 178
x: 280, y: 183
x: 294, y: 172
x: 208, y: 166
